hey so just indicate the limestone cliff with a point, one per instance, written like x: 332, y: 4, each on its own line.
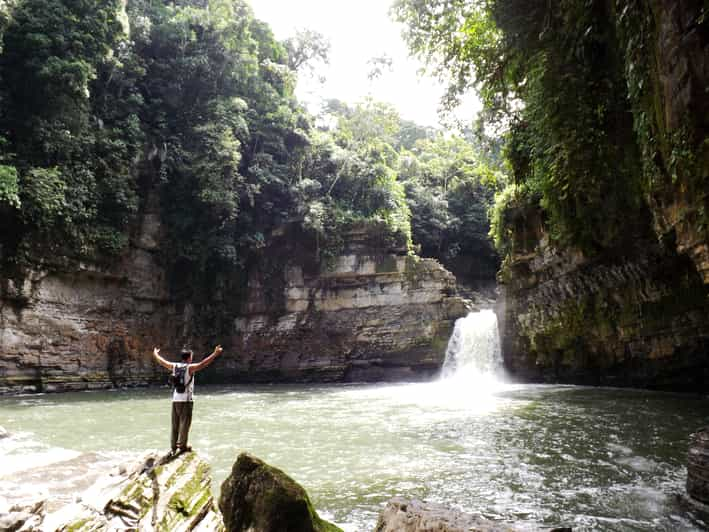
x: 370, y: 313
x: 373, y: 313
x: 679, y: 115
x: 640, y: 318
x: 637, y: 313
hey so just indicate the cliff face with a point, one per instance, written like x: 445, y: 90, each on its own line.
x: 640, y: 320
x: 637, y: 315
x: 372, y: 313
x: 82, y: 327
x: 680, y: 112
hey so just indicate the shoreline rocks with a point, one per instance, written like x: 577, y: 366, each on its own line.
x: 23, y: 517
x: 165, y: 493
x: 154, y: 493
x: 698, y: 468
x: 412, y: 515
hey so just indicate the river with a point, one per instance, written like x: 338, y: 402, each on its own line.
x: 591, y: 458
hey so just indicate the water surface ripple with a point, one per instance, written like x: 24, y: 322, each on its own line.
x: 594, y: 459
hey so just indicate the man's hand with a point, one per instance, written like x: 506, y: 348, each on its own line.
x: 164, y: 363
x: 207, y: 361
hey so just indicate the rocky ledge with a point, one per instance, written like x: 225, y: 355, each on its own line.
x: 639, y: 321
x: 173, y: 494
x: 698, y: 470
x: 155, y: 493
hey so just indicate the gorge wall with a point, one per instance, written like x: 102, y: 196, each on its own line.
x: 640, y: 319
x: 637, y: 313
x: 370, y: 313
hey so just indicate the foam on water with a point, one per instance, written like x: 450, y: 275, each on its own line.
x: 20, y: 452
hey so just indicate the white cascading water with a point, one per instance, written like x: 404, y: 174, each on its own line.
x: 473, y: 354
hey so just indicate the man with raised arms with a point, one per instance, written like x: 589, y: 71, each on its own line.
x: 183, y: 383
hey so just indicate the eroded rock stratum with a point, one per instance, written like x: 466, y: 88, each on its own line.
x: 371, y: 312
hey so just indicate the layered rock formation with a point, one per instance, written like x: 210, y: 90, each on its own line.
x: 174, y: 494
x: 373, y: 313
x: 79, y: 326
x: 637, y: 320
x: 370, y: 313
x: 259, y: 498
x: 155, y: 493
x: 638, y: 314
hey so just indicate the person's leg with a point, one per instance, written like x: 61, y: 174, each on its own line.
x: 185, y: 410
x: 185, y: 422
x: 175, y: 426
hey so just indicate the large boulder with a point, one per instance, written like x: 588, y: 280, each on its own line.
x: 411, y: 515
x: 154, y: 494
x: 260, y: 498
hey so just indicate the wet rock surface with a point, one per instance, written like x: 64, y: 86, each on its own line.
x: 154, y: 493
x: 641, y: 320
x: 23, y: 517
x: 259, y: 498
x: 411, y: 515
x: 698, y: 467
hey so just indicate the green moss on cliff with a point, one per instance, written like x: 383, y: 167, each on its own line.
x: 595, y: 329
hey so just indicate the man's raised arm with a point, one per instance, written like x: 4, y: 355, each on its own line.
x: 194, y: 368
x: 161, y: 360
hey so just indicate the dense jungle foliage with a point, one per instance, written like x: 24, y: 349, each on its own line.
x: 574, y: 85
x: 107, y: 106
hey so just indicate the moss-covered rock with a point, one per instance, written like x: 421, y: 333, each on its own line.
x: 156, y: 493
x: 261, y: 498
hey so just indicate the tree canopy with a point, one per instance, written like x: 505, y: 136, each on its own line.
x: 107, y: 106
x: 554, y: 75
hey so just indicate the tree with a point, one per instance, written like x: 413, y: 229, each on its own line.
x: 551, y: 75
x: 307, y: 50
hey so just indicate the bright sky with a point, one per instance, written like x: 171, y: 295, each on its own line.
x: 359, y: 30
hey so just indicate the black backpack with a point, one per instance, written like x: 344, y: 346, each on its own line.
x: 177, y: 378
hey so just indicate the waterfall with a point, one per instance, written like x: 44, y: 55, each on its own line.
x: 473, y: 352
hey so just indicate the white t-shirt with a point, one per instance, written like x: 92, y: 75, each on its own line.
x: 189, y: 388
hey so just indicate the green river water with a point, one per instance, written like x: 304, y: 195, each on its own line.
x: 594, y: 459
